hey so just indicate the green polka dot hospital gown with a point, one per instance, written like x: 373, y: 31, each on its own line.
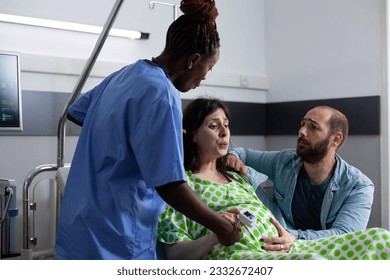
x: 174, y: 227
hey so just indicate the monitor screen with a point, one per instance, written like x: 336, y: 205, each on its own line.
x: 10, y: 93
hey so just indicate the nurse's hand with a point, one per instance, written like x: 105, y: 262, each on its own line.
x: 236, y: 163
x: 233, y: 217
x: 230, y: 232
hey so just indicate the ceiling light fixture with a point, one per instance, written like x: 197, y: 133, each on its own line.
x: 71, y: 26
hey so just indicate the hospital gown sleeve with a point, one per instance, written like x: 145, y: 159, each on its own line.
x: 173, y: 227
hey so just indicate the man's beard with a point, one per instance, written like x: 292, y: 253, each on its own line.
x: 313, y: 154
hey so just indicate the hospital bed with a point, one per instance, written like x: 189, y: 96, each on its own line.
x: 8, y: 213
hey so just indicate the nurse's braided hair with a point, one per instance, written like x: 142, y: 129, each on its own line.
x: 195, y: 31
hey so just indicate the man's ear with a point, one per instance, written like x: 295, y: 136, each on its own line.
x: 337, y: 139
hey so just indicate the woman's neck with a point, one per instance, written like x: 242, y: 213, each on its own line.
x: 208, y: 171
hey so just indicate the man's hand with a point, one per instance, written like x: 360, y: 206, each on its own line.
x: 281, y: 243
x: 236, y: 163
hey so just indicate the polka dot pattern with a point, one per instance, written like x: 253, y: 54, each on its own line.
x: 175, y: 227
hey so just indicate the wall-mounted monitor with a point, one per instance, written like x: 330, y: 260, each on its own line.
x: 10, y: 93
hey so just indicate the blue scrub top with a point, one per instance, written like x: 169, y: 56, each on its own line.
x: 130, y: 143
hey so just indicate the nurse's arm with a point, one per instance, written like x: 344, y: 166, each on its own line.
x: 181, y: 197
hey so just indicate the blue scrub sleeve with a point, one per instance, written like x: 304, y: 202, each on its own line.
x: 79, y: 109
x: 158, y: 146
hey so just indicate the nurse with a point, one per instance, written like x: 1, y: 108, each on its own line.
x: 129, y: 158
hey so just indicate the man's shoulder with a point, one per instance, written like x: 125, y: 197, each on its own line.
x: 289, y: 151
x: 288, y: 154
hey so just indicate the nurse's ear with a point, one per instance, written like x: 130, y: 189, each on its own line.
x: 192, y: 60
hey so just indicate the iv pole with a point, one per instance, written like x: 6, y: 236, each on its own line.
x: 175, y: 7
x: 82, y: 79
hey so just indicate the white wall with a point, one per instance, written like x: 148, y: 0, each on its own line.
x: 320, y: 49
x: 236, y: 59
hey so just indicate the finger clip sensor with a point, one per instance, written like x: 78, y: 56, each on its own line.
x: 247, y: 218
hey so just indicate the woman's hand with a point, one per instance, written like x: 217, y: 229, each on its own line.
x: 281, y: 243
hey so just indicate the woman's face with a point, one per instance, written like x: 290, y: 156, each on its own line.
x: 191, y: 78
x: 212, y: 137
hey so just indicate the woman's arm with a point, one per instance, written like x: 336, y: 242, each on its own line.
x: 191, y: 249
x: 199, y: 248
x: 183, y: 199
